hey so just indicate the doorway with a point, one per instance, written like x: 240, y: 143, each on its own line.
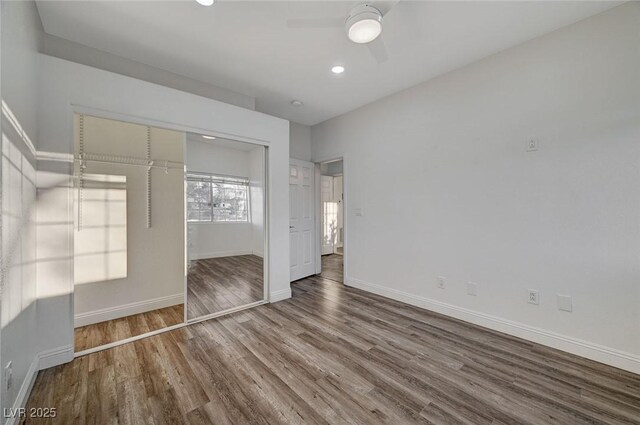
x: 332, y: 220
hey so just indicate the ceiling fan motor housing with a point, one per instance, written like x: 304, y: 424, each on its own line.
x: 364, y: 24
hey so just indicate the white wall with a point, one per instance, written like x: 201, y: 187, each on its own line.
x: 256, y: 178
x: 210, y: 240
x: 206, y: 157
x: 149, y: 274
x: 300, y: 137
x: 20, y: 42
x: 447, y: 188
x: 79, y: 53
x: 63, y: 84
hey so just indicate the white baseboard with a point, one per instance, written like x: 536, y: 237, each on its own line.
x: 55, y: 357
x: 218, y: 254
x: 599, y: 353
x: 24, y: 392
x: 280, y: 295
x: 258, y: 254
x: 97, y: 316
x: 42, y: 360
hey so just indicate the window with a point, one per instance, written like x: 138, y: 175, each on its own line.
x: 213, y: 198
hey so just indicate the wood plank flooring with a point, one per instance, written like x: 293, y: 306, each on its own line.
x: 332, y: 355
x: 218, y: 284
x: 332, y: 267
x: 98, y: 334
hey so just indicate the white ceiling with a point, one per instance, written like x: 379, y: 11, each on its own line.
x: 247, y: 47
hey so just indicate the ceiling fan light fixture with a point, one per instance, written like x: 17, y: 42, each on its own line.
x: 205, y: 2
x: 364, y: 24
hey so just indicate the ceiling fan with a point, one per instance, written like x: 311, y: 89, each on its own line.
x: 363, y: 25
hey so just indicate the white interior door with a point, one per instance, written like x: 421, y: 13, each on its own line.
x: 328, y: 214
x: 301, y: 219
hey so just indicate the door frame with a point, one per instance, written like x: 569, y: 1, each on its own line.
x: 345, y: 211
x: 323, y: 247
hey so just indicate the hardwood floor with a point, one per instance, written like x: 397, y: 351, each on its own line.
x: 332, y: 267
x: 218, y: 284
x: 98, y: 334
x: 333, y: 354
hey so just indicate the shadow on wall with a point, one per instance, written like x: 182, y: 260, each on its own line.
x: 31, y: 217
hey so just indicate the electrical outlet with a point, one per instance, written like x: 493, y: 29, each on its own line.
x: 533, y: 144
x: 441, y: 282
x: 472, y: 288
x: 533, y: 297
x: 8, y: 376
x: 565, y: 303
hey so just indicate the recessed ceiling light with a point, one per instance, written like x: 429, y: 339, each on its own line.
x: 205, y: 2
x: 364, y: 24
x: 209, y: 137
x: 296, y: 102
x: 338, y: 69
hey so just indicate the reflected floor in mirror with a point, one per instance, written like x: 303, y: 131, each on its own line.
x: 218, y: 284
x: 102, y: 333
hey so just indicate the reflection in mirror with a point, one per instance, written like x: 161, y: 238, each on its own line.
x: 225, y: 183
x: 100, y: 250
x: 128, y: 272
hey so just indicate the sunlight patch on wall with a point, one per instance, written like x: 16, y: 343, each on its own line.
x: 100, y: 247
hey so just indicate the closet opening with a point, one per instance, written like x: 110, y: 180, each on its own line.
x: 169, y: 229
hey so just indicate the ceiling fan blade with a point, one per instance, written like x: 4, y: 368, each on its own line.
x: 378, y: 50
x: 315, y: 23
x: 384, y: 6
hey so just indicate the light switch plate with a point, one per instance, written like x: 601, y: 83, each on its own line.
x: 533, y: 296
x: 533, y: 144
x: 358, y: 212
x: 565, y: 303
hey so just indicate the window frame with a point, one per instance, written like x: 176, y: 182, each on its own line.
x: 211, y: 178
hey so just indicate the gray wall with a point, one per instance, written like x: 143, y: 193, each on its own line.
x: 447, y: 188
x: 69, y: 50
x: 333, y: 168
x: 299, y: 141
x: 21, y: 41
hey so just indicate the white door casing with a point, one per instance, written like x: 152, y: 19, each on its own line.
x: 338, y: 199
x: 301, y: 219
x: 326, y: 197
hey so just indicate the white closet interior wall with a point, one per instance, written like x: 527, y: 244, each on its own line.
x: 141, y: 269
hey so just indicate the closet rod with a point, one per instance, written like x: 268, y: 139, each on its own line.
x: 164, y: 165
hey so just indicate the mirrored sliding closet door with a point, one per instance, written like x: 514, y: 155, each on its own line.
x: 129, y: 215
x: 225, y: 225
